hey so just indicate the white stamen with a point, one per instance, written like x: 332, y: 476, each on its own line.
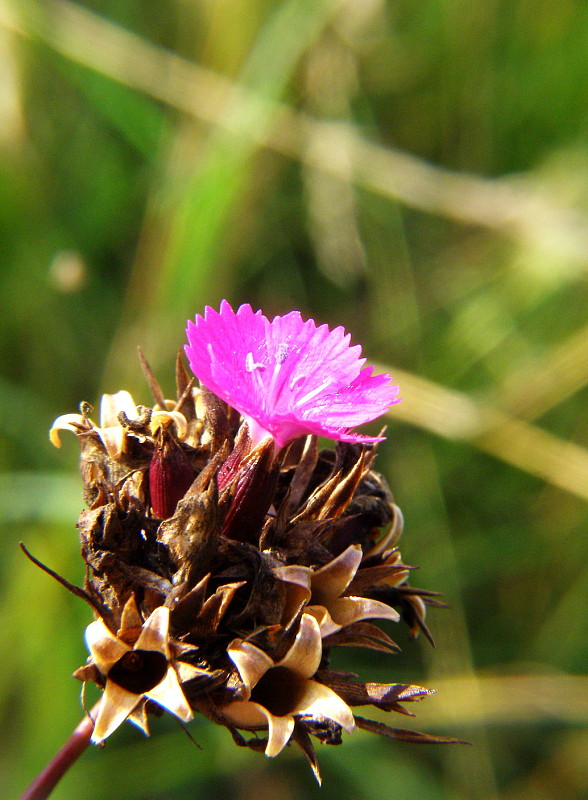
x: 275, y: 387
x: 297, y: 380
x: 303, y: 400
x: 273, y: 390
x: 251, y: 365
x: 255, y: 368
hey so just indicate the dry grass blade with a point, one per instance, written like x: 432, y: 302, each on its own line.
x: 539, y: 387
x: 510, y: 699
x: 455, y: 416
x: 514, y: 208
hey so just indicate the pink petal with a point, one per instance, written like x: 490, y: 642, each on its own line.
x: 287, y: 377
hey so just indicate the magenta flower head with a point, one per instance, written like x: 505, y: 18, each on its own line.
x: 287, y: 377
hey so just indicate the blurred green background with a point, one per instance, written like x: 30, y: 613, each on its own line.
x: 416, y: 170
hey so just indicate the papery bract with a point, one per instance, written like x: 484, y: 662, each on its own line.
x: 276, y: 693
x: 287, y: 377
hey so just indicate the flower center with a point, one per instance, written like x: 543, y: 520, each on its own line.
x: 270, y: 393
x: 138, y: 671
x: 280, y: 691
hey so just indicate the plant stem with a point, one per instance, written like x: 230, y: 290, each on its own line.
x: 48, y: 779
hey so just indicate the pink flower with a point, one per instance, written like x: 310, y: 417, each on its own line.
x: 286, y: 377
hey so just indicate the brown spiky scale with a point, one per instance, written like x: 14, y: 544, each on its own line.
x: 214, y: 549
x: 362, y: 634
x: 192, y: 533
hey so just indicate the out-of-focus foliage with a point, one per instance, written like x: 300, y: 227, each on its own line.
x: 415, y: 171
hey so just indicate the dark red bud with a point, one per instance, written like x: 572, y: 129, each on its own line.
x: 170, y: 476
x: 230, y: 468
x: 253, y: 492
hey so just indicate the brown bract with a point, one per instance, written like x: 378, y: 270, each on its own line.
x: 223, y: 577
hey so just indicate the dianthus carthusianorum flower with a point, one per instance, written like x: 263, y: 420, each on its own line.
x: 287, y: 377
x: 223, y: 571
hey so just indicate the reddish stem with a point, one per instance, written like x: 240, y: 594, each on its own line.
x: 48, y: 779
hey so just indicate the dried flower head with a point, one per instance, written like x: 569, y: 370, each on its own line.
x: 223, y: 571
x: 145, y: 671
x: 278, y: 692
x: 287, y: 377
